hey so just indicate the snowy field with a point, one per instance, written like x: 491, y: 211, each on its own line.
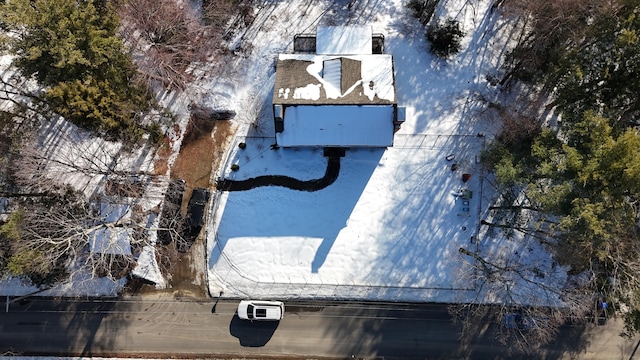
x: 391, y: 225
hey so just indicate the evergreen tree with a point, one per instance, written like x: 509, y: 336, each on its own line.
x: 71, y: 48
x: 603, y: 73
x: 445, y: 38
x: 582, y: 177
x: 585, y: 182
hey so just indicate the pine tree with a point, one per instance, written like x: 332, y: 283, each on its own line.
x: 70, y: 47
x: 603, y: 73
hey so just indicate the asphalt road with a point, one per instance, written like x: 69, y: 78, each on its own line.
x: 173, y: 328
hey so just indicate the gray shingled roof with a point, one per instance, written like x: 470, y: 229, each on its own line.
x: 293, y: 72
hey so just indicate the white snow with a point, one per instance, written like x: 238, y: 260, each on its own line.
x: 343, y: 40
x: 309, y: 92
x: 378, y: 71
x: 391, y: 226
x: 85, y: 161
x: 147, y: 267
x: 81, y: 283
x: 390, y: 221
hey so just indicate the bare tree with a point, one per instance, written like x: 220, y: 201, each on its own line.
x: 169, y: 36
x: 60, y: 229
x: 61, y: 233
x: 527, y: 305
x: 547, y: 27
x: 528, y: 296
x: 46, y: 159
x: 219, y: 13
x: 52, y: 232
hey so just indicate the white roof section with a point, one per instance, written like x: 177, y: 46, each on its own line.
x: 337, y: 125
x: 111, y: 240
x: 332, y: 76
x: 344, y: 40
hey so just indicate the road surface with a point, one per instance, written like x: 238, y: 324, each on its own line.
x: 172, y: 328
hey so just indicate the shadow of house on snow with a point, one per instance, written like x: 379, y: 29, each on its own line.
x: 278, y: 212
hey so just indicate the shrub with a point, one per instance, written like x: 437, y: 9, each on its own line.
x: 155, y: 132
x: 445, y: 38
x: 423, y: 9
x: 242, y: 145
x: 235, y: 167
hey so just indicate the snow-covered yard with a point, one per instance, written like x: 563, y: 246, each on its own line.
x: 391, y: 226
x: 388, y: 228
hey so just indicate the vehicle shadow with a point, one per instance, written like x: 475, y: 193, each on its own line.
x: 252, y: 333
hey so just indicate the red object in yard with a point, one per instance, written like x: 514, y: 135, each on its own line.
x: 466, y: 177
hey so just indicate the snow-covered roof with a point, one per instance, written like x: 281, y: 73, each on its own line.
x: 111, y: 240
x: 114, y: 213
x: 344, y: 40
x: 331, y: 79
x: 337, y: 125
x: 147, y: 267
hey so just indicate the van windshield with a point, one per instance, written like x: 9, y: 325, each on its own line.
x: 250, y: 311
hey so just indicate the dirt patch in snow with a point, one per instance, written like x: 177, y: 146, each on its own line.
x: 202, y: 150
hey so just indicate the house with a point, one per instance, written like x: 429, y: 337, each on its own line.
x: 343, y: 95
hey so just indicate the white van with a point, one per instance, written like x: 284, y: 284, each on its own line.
x: 260, y: 310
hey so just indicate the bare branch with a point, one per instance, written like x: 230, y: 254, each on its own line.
x: 169, y: 37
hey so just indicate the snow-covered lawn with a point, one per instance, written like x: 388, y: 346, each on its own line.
x: 391, y: 226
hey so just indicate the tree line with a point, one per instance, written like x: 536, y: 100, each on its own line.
x: 99, y: 65
x: 575, y: 182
